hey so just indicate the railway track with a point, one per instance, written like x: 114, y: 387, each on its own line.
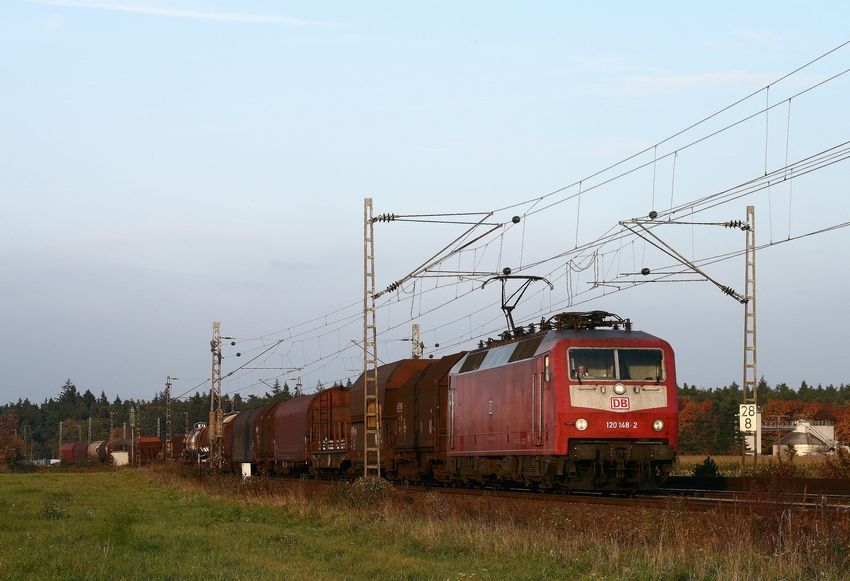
x: 800, y: 493
x: 681, y: 493
x: 806, y: 486
x: 632, y: 500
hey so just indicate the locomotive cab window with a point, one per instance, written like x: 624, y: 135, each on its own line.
x: 616, y: 364
x: 640, y: 364
x: 592, y: 364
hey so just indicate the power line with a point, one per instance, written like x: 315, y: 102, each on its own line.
x: 338, y: 320
x: 686, y: 129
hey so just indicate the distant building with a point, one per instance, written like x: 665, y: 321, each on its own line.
x: 807, y: 439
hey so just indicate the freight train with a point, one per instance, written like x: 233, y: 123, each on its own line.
x: 579, y: 402
x: 142, y: 449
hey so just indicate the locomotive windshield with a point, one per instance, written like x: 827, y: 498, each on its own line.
x: 616, y: 364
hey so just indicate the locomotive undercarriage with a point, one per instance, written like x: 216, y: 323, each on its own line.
x: 590, y: 466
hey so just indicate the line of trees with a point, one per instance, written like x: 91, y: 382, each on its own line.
x: 708, y: 418
x: 33, y: 429
x: 708, y: 422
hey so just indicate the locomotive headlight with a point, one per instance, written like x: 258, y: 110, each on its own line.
x: 581, y: 424
x: 658, y: 425
x: 619, y: 389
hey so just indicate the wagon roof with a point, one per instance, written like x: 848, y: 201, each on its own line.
x: 436, y: 370
x: 301, y: 403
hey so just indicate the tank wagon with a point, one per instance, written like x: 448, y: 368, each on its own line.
x: 581, y: 403
x: 196, y: 448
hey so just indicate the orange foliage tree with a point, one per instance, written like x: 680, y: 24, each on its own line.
x: 11, y: 446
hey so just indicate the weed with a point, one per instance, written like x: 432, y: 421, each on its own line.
x: 54, y: 507
x: 364, y: 493
x: 837, y: 465
x: 369, y: 492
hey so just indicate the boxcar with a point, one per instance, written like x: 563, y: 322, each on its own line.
x: 144, y: 449
x: 311, y: 434
x: 264, y: 438
x: 390, y: 378
x: 73, y: 453
x: 419, y: 440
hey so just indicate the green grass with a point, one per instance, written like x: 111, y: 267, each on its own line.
x: 163, y: 523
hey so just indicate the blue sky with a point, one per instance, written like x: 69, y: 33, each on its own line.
x: 168, y: 164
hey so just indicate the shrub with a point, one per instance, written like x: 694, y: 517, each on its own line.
x: 836, y: 465
x: 364, y: 493
x: 707, y: 469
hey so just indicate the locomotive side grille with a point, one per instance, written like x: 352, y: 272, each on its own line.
x: 525, y: 349
x: 530, y: 466
x: 473, y: 361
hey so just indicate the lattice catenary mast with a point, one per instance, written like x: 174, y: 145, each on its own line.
x: 416, y: 343
x: 169, y: 452
x: 750, y: 387
x: 216, y: 413
x: 371, y: 412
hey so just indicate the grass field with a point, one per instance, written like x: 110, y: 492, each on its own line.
x: 165, y: 523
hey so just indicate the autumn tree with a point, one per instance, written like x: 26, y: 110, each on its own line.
x: 11, y: 446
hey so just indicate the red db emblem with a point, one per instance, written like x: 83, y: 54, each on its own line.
x: 619, y: 403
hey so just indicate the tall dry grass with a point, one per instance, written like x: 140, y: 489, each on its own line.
x: 760, y: 539
x: 833, y: 466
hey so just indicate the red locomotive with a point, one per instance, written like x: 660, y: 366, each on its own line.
x: 581, y: 403
x: 574, y: 406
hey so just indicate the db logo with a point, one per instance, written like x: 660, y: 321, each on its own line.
x: 619, y: 403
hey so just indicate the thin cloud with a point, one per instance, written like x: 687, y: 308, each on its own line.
x: 759, y: 35
x: 742, y: 40
x: 53, y: 22
x: 156, y: 11
x: 666, y: 83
